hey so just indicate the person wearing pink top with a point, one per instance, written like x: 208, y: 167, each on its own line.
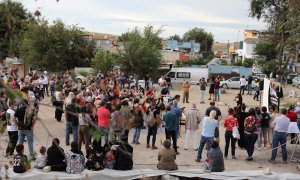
x: 103, y: 120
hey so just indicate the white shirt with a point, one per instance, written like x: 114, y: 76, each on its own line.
x: 282, y: 123
x: 45, y: 80
x: 41, y: 161
x: 11, y: 125
x: 243, y: 81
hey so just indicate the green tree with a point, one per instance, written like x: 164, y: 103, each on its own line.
x: 13, y: 20
x: 104, y: 61
x: 248, y: 62
x: 140, y: 53
x: 55, y: 47
x: 176, y: 37
x: 199, y: 35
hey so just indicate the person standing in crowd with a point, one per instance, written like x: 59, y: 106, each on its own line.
x: 45, y: 83
x: 208, y: 132
x: 243, y: 83
x: 138, y: 122
x: 249, y: 85
x: 280, y: 136
x: 59, y: 105
x: 152, y: 128
x: 211, y: 88
x: 72, y: 121
x: 192, y: 121
x: 83, y: 132
x: 265, y: 125
x: 175, y: 109
x: 11, y: 129
x: 273, y: 115
x: 103, y: 120
x: 25, y: 120
x: 256, y: 88
x: 229, y: 123
x: 259, y: 133
x: 250, y: 134
x: 293, y: 128
x: 202, y: 85
x: 170, y: 125
x: 127, y: 117
x: 241, y: 120
x: 186, y: 92
x: 166, y: 157
x: 297, y: 110
x: 218, y: 117
x: 117, y: 118
x: 216, y: 89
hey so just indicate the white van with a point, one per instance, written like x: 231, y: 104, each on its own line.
x: 193, y: 75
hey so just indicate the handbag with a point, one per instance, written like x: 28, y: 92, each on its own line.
x: 235, y: 133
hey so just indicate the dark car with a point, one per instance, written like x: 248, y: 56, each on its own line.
x: 290, y: 77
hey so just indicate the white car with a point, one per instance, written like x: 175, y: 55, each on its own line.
x: 296, y: 81
x: 233, y: 83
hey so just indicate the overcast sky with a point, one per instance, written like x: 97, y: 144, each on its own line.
x: 224, y: 18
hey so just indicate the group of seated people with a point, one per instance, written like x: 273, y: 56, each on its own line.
x: 73, y: 161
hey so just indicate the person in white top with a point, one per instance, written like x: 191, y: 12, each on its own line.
x: 243, y: 83
x: 45, y: 83
x: 11, y: 129
x: 42, y: 159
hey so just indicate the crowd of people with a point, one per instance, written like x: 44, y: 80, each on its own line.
x: 101, y: 110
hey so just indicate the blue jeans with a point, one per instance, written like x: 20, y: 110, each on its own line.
x: 203, y: 141
x: 217, y: 94
x: 136, y: 135
x: 177, y: 128
x: 104, y: 132
x: 29, y: 137
x: 250, y: 140
x: 298, y: 123
x: 279, y: 137
x: 249, y: 88
x: 202, y: 92
x: 69, y: 126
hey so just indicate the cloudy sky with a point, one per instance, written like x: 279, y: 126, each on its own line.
x: 226, y: 19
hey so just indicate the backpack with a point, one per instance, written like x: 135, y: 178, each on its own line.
x: 74, y: 165
x: 29, y: 113
x: 149, y: 118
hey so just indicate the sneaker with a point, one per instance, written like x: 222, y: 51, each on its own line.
x: 196, y: 149
x: 197, y: 160
x: 271, y: 161
x: 148, y: 146
x: 233, y: 157
x: 137, y: 143
x: 133, y: 142
x: 249, y: 159
x: 154, y: 147
x: 258, y: 148
x: 265, y: 148
x: 185, y: 149
x: 284, y: 162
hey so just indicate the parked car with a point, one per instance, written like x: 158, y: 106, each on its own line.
x: 290, y: 77
x: 233, y: 83
x: 296, y: 81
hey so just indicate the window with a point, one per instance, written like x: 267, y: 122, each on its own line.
x: 236, y: 79
x: 171, y: 74
x: 183, y: 75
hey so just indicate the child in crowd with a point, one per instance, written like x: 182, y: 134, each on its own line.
x: 42, y: 159
x: 20, y: 161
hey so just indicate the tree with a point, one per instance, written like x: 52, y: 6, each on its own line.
x: 140, y: 53
x: 104, y: 61
x: 175, y: 37
x: 13, y: 20
x: 56, y: 47
x: 199, y: 35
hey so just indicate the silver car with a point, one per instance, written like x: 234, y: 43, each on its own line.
x: 296, y: 81
x: 233, y: 83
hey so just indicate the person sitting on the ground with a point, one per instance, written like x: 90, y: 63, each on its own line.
x: 166, y: 157
x: 75, y: 160
x: 42, y: 159
x: 95, y: 156
x: 109, y: 157
x: 20, y: 161
x: 56, y: 157
x: 215, y: 158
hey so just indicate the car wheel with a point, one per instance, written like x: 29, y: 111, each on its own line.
x: 225, y: 86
